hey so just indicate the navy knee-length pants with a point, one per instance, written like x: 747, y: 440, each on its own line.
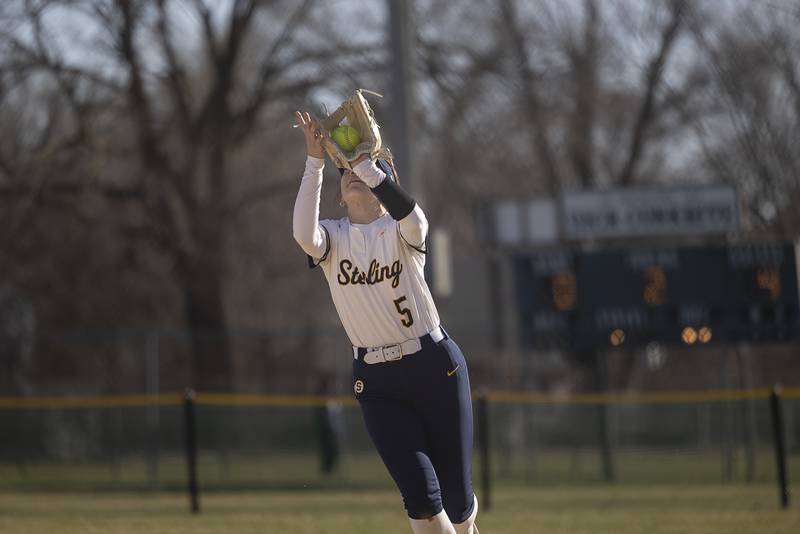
x: 418, y: 412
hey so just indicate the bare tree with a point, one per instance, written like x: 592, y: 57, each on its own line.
x: 585, y: 73
x: 652, y: 80
x: 533, y: 100
x: 150, y: 132
x: 751, y: 138
x: 181, y: 113
x: 530, y: 98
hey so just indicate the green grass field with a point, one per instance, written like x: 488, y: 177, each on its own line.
x: 599, y: 509
x: 364, y: 471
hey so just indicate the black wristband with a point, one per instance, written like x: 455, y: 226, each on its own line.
x: 393, y: 197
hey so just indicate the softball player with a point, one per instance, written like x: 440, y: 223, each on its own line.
x: 409, y: 377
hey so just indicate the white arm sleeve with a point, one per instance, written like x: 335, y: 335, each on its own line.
x: 414, y: 226
x: 305, y: 221
x: 369, y: 173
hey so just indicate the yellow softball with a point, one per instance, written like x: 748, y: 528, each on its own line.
x: 346, y: 137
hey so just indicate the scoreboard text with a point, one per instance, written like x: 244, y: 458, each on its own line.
x: 691, y: 295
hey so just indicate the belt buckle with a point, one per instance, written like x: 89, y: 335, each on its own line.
x: 392, y: 353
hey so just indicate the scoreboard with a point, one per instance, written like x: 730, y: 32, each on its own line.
x: 688, y: 295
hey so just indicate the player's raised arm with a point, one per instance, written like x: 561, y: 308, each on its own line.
x: 305, y: 221
x: 400, y: 205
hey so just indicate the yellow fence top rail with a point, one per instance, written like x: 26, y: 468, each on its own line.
x: 616, y: 397
x: 238, y: 399
x: 518, y: 397
x: 93, y: 401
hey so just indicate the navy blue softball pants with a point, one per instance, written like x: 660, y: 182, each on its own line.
x: 418, y: 412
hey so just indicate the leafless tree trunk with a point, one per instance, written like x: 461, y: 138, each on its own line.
x: 653, y: 76
x: 531, y: 100
x: 183, y: 138
x: 584, y: 61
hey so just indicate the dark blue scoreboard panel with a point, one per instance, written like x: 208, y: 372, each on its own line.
x: 687, y: 295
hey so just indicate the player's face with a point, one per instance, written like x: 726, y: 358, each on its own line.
x: 351, y: 187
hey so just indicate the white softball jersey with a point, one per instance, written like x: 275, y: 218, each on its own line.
x: 375, y: 271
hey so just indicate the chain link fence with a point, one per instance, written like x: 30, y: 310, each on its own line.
x: 275, y: 442
x: 102, y: 409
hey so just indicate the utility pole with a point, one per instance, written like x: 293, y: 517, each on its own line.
x: 401, y: 34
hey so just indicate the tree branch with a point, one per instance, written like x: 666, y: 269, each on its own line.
x: 269, y: 67
x: 175, y: 75
x: 584, y: 59
x: 168, y: 198
x: 653, y: 77
x: 531, y: 102
x: 246, y: 118
x: 790, y: 75
x: 208, y: 31
x: 215, y: 111
x: 255, y: 196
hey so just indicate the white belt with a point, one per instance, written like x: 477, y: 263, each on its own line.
x: 391, y: 353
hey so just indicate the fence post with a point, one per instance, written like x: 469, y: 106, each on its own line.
x: 604, y: 419
x: 483, y: 440
x: 153, y: 410
x: 190, y: 426
x: 745, y: 372
x: 779, y: 442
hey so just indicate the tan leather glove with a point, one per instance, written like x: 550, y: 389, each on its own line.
x: 357, y: 113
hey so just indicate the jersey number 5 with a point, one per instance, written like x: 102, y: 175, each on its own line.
x: 407, y: 319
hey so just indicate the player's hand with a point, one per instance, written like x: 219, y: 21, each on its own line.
x: 313, y: 133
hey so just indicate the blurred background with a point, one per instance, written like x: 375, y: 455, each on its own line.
x: 611, y: 188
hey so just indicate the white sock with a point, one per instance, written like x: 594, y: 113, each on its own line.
x: 468, y: 526
x: 438, y: 524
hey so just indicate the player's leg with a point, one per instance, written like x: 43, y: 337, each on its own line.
x: 438, y: 524
x: 399, y: 438
x: 468, y: 525
x: 447, y: 401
